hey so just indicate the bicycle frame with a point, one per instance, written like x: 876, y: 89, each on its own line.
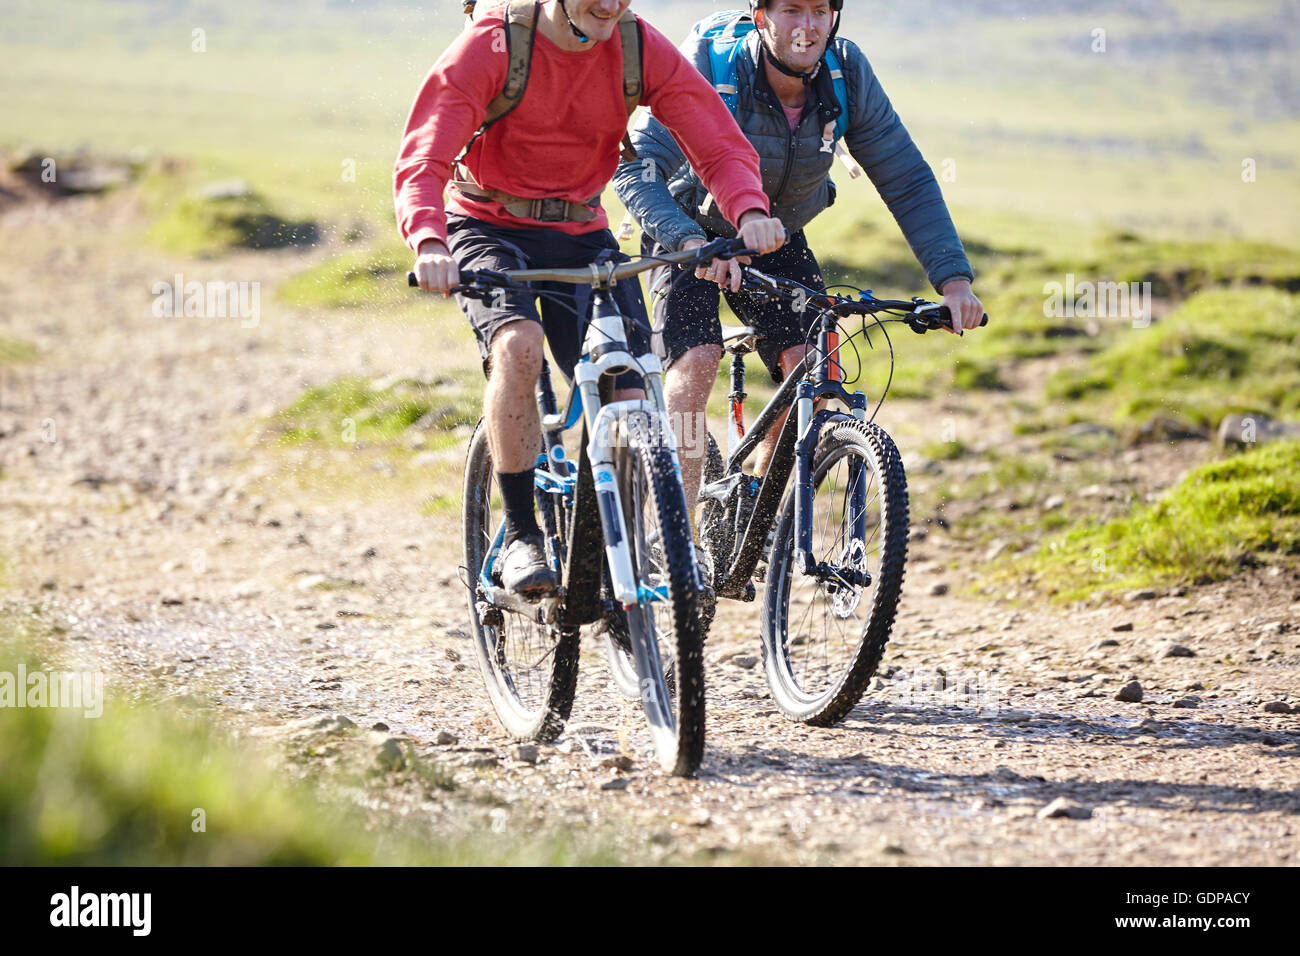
x: 812, y: 381
x: 585, y: 494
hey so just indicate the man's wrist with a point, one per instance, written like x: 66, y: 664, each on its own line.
x: 751, y: 214
x: 433, y: 246
x: 954, y: 285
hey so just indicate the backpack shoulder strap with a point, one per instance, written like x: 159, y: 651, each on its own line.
x: 629, y: 35
x: 841, y: 90
x: 521, y: 28
x: 725, y: 45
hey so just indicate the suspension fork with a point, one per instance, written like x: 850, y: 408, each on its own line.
x: 825, y: 382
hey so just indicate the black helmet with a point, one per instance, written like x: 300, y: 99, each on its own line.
x: 836, y: 5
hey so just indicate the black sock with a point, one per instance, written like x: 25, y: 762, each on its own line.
x: 517, y: 496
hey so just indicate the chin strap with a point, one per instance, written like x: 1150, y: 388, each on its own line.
x: 582, y: 37
x: 782, y: 68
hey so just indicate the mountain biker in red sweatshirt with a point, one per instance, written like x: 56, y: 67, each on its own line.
x: 526, y: 195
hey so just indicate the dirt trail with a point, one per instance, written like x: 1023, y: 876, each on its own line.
x: 187, y: 559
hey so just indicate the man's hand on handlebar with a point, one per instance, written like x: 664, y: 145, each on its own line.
x: 967, y: 312
x: 761, y: 232
x: 757, y: 231
x: 435, y: 269
x: 725, y: 272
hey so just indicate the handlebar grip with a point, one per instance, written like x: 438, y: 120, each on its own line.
x: 945, y: 316
x: 414, y: 283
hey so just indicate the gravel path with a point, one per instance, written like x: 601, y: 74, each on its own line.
x: 180, y: 551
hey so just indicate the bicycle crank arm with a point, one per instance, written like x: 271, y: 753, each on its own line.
x: 545, y: 611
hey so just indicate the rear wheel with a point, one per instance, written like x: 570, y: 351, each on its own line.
x: 663, y: 629
x: 824, y: 633
x: 530, y: 667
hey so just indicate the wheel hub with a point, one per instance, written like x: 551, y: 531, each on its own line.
x: 845, y: 595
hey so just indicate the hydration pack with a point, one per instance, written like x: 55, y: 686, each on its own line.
x: 726, y: 32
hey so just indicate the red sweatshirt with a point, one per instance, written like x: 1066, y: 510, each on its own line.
x: 563, y: 137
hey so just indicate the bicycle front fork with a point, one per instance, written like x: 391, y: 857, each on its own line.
x: 605, y: 353
x: 852, y: 524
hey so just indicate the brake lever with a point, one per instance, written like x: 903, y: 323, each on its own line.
x: 722, y: 249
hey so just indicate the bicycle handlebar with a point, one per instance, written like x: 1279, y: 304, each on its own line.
x: 921, y: 317
x: 594, y: 275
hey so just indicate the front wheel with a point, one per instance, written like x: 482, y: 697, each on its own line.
x: 663, y: 629
x: 825, y: 632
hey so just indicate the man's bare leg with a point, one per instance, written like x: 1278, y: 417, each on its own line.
x: 510, y: 400
x: 513, y: 432
x: 789, y: 359
x: 687, y: 385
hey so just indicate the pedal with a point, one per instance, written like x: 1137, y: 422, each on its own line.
x: 749, y: 593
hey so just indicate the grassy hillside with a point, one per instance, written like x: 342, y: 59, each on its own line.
x: 1037, y: 125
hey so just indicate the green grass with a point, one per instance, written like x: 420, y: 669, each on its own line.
x: 944, y: 450
x: 194, y: 226
x: 355, y: 409
x: 123, y: 788
x: 361, y: 277
x: 1177, y: 268
x: 16, y: 350
x: 1225, y: 351
x: 1222, y: 517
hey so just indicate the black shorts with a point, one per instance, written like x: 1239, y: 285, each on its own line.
x: 686, y: 308
x: 476, y: 244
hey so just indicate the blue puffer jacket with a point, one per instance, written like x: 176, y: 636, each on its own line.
x: 670, y: 202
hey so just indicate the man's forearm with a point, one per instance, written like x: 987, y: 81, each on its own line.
x: 642, y: 186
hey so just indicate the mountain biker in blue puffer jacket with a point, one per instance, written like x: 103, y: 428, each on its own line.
x: 785, y: 101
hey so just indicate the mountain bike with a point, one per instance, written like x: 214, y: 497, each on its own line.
x: 835, y: 540
x: 616, y: 531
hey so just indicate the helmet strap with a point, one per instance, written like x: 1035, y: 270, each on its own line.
x: 582, y: 37
x: 771, y: 57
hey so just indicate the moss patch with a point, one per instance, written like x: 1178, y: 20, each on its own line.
x: 1222, y: 517
x: 1227, y: 351
x: 16, y: 350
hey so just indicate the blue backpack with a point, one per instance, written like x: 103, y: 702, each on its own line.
x: 726, y: 32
